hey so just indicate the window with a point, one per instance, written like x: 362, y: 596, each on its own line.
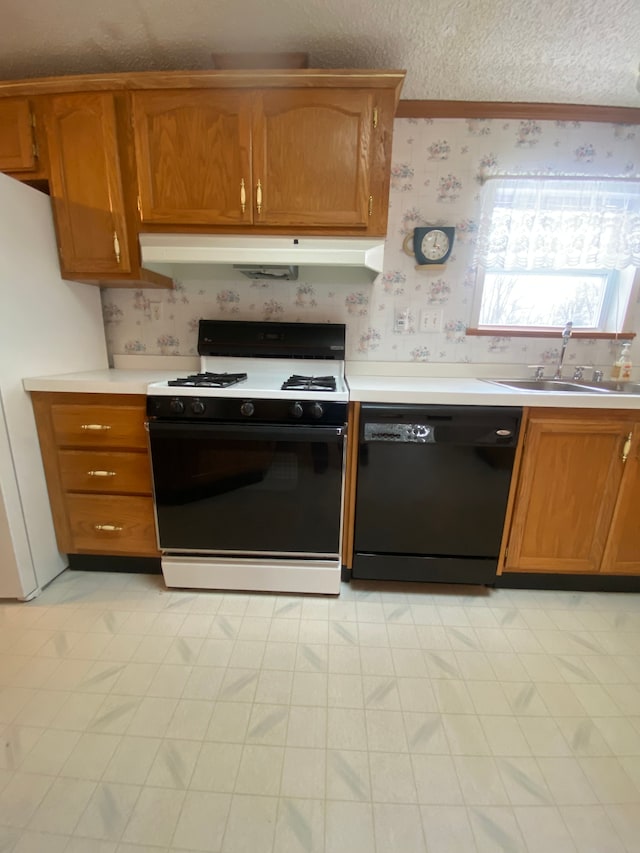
x: 553, y: 250
x: 547, y: 300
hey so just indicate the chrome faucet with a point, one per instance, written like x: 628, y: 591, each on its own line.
x: 566, y: 334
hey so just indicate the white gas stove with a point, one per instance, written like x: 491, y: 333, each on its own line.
x: 260, y: 378
x: 248, y: 459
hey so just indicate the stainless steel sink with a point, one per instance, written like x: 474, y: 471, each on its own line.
x: 556, y: 385
x: 615, y: 387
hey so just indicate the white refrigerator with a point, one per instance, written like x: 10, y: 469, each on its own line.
x: 47, y: 325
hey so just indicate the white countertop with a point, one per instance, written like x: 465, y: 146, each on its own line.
x: 459, y: 391
x: 364, y: 388
x: 108, y: 381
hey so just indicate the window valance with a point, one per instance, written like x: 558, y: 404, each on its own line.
x: 538, y: 223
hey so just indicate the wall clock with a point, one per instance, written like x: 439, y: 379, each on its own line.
x: 430, y: 244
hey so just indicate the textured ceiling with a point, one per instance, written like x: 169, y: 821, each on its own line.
x: 571, y: 51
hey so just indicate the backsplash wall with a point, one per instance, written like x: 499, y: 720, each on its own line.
x: 437, y: 168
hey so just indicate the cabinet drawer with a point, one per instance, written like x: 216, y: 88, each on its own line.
x: 112, y: 524
x: 113, y: 473
x: 99, y: 426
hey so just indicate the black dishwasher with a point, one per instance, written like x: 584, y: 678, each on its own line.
x: 432, y: 489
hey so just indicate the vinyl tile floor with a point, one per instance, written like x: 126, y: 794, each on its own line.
x: 417, y: 719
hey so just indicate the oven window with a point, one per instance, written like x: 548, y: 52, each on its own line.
x: 247, y: 492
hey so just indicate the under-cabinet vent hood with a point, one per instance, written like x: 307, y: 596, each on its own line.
x: 331, y: 259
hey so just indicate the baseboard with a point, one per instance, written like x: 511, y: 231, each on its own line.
x: 107, y: 563
x: 580, y: 583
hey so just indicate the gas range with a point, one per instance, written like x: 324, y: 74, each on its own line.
x: 242, y: 377
x: 248, y: 459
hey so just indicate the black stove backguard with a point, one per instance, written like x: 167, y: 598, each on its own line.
x: 251, y: 339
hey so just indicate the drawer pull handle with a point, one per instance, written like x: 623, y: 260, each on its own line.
x: 101, y: 473
x: 108, y: 528
x: 95, y: 427
x: 627, y: 447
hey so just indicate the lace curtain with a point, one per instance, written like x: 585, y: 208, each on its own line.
x: 553, y: 224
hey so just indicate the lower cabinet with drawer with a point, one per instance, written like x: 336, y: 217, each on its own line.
x: 575, y: 508
x: 95, y: 455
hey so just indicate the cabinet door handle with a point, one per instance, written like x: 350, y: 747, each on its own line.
x: 116, y: 246
x: 243, y: 195
x: 259, y: 197
x: 101, y: 473
x: 370, y: 205
x: 108, y: 528
x: 95, y: 427
x: 627, y: 448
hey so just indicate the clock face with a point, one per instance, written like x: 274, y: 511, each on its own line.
x: 435, y: 245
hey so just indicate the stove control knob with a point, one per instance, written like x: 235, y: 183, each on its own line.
x: 176, y: 406
x: 198, y: 407
x: 316, y: 410
x: 247, y: 408
x: 296, y: 410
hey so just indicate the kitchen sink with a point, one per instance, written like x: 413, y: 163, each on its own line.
x: 551, y: 385
x: 604, y: 387
x: 616, y: 387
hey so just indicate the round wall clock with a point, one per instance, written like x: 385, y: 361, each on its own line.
x: 430, y: 244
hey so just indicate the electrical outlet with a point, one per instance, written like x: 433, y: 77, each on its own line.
x: 403, y: 321
x: 155, y: 310
x: 430, y: 321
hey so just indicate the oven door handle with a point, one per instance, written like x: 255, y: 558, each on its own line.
x: 247, y: 432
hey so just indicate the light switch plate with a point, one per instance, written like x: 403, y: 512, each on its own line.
x: 430, y: 321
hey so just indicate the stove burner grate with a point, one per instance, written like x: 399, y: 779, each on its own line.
x: 208, y: 380
x: 309, y: 383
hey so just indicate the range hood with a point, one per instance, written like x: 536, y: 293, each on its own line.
x: 316, y: 259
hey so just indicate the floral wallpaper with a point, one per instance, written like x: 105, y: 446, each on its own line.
x: 406, y: 315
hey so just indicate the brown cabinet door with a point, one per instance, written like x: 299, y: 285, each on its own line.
x: 570, y: 475
x: 86, y: 184
x: 193, y: 156
x: 312, y: 157
x: 17, y: 150
x: 622, y: 554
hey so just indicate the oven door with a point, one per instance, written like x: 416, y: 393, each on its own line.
x: 248, y: 488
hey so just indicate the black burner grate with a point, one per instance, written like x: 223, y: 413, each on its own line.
x: 309, y: 383
x: 208, y: 380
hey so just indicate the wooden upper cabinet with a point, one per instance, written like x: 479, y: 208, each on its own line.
x: 86, y: 184
x: 312, y: 157
x: 17, y: 145
x: 569, y: 479
x: 193, y: 156
x: 622, y: 554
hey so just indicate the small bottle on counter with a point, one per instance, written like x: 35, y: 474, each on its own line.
x: 621, y: 368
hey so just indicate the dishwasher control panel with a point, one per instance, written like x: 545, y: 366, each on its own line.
x: 471, y: 426
x: 403, y: 433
